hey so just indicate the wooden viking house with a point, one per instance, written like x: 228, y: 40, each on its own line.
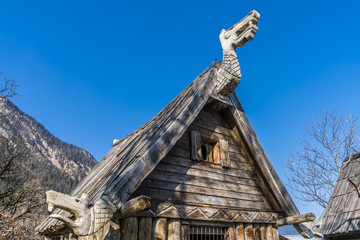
x: 341, y: 218
x: 195, y: 171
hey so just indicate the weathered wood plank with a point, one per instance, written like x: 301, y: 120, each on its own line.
x: 129, y: 228
x: 224, y: 153
x: 295, y: 219
x: 252, y: 142
x: 205, y: 133
x: 165, y: 185
x: 195, y: 144
x: 275, y: 234
x: 160, y: 229
x: 245, y: 178
x: 120, y: 188
x: 230, y: 234
x: 212, y: 117
x: 145, y: 228
x: 213, y: 127
x: 185, y: 232
x: 249, y: 233
x: 179, y: 154
x: 269, y: 232
x: 257, y: 232
x: 205, y: 166
x: 263, y: 232
x: 133, y: 207
x: 167, y: 195
x: 174, y: 229
x: 184, y: 142
x: 241, y: 187
x: 239, y: 232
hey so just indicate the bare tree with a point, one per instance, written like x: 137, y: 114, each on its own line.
x: 314, y: 170
x: 7, y: 87
x: 19, y: 194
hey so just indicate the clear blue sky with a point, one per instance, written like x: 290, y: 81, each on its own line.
x: 92, y: 71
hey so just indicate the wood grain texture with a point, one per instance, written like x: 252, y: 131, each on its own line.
x: 145, y: 228
x: 269, y: 232
x: 275, y: 234
x: 230, y: 234
x: 262, y: 161
x: 129, y: 228
x: 185, y: 232
x: 249, y: 232
x: 224, y: 153
x: 341, y: 218
x: 174, y: 229
x: 179, y: 179
x: 239, y: 232
x: 159, y: 229
x: 142, y: 149
x: 195, y: 144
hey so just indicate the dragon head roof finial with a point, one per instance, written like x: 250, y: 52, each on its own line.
x: 237, y: 36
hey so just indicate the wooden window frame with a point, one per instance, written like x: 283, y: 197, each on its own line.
x: 217, y: 150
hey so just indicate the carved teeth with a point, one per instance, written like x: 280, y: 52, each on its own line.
x: 50, y: 207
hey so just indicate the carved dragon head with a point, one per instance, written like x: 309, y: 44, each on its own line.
x: 88, y: 218
x: 240, y: 33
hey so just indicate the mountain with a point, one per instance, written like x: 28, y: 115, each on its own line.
x: 59, y: 165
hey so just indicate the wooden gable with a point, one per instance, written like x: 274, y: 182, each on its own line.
x: 183, y: 187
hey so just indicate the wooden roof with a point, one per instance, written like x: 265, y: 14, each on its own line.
x: 130, y: 161
x: 342, y: 214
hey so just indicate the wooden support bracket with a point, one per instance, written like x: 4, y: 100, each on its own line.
x: 132, y: 207
x: 295, y: 219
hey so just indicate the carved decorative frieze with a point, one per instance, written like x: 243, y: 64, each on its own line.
x: 210, y: 214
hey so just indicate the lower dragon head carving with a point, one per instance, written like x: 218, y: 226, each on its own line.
x: 229, y: 74
x: 88, y: 218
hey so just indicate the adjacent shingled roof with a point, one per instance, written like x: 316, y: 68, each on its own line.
x: 129, y: 162
x: 342, y: 214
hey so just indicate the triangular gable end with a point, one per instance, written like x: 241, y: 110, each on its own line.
x: 131, y: 160
x: 181, y: 181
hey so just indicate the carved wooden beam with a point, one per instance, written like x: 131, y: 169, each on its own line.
x: 92, y: 218
x: 295, y: 219
x: 229, y: 74
x: 133, y: 207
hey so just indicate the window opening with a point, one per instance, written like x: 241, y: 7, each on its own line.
x: 209, y: 151
x: 207, y: 233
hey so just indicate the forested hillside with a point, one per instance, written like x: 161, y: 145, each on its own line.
x: 32, y: 161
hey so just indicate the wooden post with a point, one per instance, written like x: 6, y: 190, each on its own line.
x: 239, y: 232
x: 129, y: 228
x: 159, y: 229
x: 257, y: 233
x: 185, y: 232
x: 145, y: 227
x: 249, y: 233
x: 275, y: 234
x: 230, y: 234
x: 174, y: 229
x: 269, y: 232
x: 263, y: 232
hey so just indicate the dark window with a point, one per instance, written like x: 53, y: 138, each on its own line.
x: 207, y: 233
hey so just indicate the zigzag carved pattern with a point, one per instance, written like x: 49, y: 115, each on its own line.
x: 210, y: 214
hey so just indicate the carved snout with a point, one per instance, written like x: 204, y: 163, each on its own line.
x: 63, y: 201
x: 239, y: 34
x: 78, y: 207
